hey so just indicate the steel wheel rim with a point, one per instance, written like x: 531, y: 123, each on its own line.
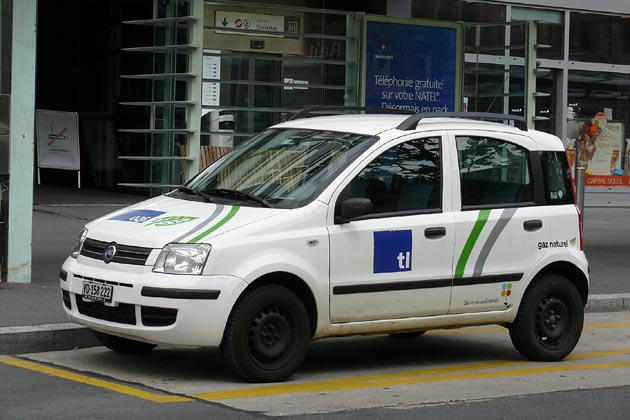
x: 271, y: 334
x: 553, y: 322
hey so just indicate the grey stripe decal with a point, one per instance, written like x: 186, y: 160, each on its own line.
x: 505, y: 217
x: 213, y: 216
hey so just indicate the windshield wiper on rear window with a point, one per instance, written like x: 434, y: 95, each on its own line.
x: 238, y: 194
x: 192, y: 191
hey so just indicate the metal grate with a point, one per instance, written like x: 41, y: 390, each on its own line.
x: 124, y: 313
x: 125, y: 254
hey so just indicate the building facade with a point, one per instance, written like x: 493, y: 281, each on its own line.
x: 150, y: 83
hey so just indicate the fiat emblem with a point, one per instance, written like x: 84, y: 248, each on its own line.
x: 110, y: 253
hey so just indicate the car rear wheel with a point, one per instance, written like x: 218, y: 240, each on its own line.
x: 123, y: 345
x: 267, y: 334
x: 550, y: 319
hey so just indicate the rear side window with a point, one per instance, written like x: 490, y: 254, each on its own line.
x: 493, y: 173
x: 557, y: 178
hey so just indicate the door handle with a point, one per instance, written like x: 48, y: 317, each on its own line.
x: 435, y: 232
x: 532, y: 225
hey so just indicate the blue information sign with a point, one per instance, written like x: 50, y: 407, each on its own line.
x: 410, y: 67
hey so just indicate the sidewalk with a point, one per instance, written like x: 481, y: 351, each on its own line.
x: 32, y: 318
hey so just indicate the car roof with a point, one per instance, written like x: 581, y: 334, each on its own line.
x: 375, y: 124
x: 366, y: 124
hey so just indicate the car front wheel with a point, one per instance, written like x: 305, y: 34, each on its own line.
x: 267, y: 334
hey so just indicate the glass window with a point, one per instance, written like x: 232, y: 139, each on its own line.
x: 599, y: 38
x: 493, y: 173
x: 458, y: 11
x: 591, y: 93
x: 557, y: 177
x: 287, y: 168
x: 405, y: 178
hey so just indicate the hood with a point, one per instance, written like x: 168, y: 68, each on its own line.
x: 162, y: 220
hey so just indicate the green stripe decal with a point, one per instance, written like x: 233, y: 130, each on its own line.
x: 220, y: 223
x: 470, y: 242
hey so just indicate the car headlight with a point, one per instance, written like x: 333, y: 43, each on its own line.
x: 76, y: 249
x: 182, y: 259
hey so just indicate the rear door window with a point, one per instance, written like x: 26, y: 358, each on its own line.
x: 493, y: 173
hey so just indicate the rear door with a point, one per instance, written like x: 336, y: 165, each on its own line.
x: 501, y: 227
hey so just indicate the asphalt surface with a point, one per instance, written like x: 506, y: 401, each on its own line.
x: 57, y: 398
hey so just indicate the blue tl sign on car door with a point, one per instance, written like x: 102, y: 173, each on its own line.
x: 392, y: 251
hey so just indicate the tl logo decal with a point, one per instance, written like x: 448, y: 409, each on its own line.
x: 392, y: 251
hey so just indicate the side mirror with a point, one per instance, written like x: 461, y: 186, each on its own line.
x: 353, y: 208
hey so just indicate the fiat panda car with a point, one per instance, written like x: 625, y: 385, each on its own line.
x: 342, y: 225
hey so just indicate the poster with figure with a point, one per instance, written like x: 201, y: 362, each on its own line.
x: 58, y: 140
x: 598, y: 147
x: 411, y: 66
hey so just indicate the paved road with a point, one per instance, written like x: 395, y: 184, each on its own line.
x: 355, y: 377
x: 607, y: 247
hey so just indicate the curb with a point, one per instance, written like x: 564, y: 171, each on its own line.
x: 618, y: 302
x: 42, y: 338
x: 68, y: 336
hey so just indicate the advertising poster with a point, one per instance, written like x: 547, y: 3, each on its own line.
x: 410, y: 67
x: 599, y: 147
x: 58, y: 140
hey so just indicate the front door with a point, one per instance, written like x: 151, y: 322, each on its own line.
x: 396, y: 261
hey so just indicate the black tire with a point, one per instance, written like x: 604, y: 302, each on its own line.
x: 123, y: 345
x: 550, y: 319
x: 407, y: 335
x: 267, y: 334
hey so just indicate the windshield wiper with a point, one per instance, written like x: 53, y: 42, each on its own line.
x: 239, y: 194
x: 188, y: 190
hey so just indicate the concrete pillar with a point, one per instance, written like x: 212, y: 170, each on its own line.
x: 194, y: 93
x: 22, y: 138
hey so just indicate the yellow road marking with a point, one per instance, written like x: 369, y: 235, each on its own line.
x: 503, y: 329
x: 597, y: 326
x: 317, y: 387
x: 112, y: 386
x: 402, y: 378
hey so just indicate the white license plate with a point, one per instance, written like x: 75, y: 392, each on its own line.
x: 97, y: 291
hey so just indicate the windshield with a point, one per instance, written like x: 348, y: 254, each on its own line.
x: 285, y: 168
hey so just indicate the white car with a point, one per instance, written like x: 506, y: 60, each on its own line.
x: 341, y: 225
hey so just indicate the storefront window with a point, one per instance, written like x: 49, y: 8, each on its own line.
x: 552, y: 36
x: 599, y: 38
x: 263, y: 63
x: 597, y: 130
x: 458, y: 11
x: 462, y: 11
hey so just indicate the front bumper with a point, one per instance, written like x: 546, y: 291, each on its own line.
x: 176, y: 310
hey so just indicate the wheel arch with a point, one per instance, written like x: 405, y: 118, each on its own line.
x: 296, y: 285
x: 571, y: 272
